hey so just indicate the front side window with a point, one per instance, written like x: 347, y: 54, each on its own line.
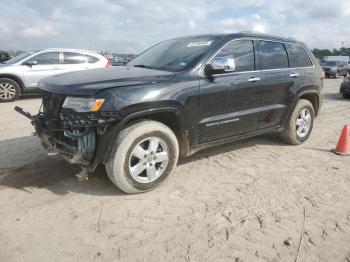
x: 330, y: 63
x: 73, y: 58
x: 48, y: 58
x: 297, y: 56
x: 176, y: 54
x: 272, y: 55
x: 240, y: 53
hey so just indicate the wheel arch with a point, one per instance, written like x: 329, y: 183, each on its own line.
x: 15, y: 78
x: 314, y: 99
x: 171, y: 117
x: 311, y: 95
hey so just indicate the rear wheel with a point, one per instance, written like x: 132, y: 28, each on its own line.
x: 9, y: 90
x: 300, y: 124
x: 144, y: 154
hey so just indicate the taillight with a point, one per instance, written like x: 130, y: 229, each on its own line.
x: 323, y: 75
x: 109, y: 63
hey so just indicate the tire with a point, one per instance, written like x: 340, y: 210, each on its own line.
x: 123, y: 160
x: 9, y: 90
x: 290, y: 134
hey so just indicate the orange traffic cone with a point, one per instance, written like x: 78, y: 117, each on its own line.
x: 343, y: 147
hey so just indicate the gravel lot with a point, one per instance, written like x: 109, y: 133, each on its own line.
x: 240, y: 202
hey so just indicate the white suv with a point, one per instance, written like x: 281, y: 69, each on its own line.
x: 22, y: 73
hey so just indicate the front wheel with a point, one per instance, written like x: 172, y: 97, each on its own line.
x: 9, y: 90
x: 144, y: 154
x: 300, y: 123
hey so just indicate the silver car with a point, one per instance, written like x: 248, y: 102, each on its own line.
x: 22, y: 73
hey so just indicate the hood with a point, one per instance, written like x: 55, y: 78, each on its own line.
x: 89, y: 82
x: 329, y: 67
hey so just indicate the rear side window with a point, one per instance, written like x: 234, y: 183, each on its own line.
x: 242, y: 52
x: 91, y: 59
x: 49, y: 58
x: 272, y: 55
x: 297, y: 56
x: 73, y: 58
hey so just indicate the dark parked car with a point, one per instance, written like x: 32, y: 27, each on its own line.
x: 335, y: 68
x: 4, y: 56
x: 178, y: 97
x: 345, y: 87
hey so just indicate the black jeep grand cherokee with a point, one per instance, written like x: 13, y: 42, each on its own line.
x: 176, y: 98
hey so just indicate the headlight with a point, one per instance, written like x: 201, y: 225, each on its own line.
x: 83, y: 105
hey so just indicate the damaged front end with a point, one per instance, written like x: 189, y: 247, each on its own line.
x: 75, y: 135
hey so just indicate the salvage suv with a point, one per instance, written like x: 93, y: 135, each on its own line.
x: 178, y: 97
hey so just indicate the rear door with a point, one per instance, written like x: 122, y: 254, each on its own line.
x: 279, y: 81
x: 229, y: 103
x: 47, y: 64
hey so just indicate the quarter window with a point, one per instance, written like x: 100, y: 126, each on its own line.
x: 242, y: 53
x: 91, y: 59
x: 73, y: 58
x: 48, y: 58
x: 297, y: 56
x: 272, y: 55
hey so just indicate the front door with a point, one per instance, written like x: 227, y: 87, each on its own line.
x: 229, y: 102
x: 43, y: 65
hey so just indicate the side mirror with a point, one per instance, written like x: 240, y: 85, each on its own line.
x: 223, y: 64
x: 31, y: 63
x: 208, y: 71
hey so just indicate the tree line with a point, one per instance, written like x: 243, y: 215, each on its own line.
x: 322, y: 53
x: 319, y: 53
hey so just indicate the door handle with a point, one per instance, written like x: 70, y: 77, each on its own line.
x: 294, y: 75
x: 254, y: 79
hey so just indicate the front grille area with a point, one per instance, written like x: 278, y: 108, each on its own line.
x: 79, y: 119
x: 52, y: 105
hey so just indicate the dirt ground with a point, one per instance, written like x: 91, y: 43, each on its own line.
x: 240, y: 202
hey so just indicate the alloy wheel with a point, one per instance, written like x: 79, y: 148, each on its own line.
x: 7, y: 91
x: 303, y: 122
x: 148, y: 160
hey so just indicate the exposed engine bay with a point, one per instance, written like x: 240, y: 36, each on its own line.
x: 74, y: 135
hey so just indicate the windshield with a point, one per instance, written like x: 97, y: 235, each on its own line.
x: 330, y: 63
x: 176, y: 54
x: 17, y: 58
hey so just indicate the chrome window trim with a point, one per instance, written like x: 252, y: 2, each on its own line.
x: 201, y: 73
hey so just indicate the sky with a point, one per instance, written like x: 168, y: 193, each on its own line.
x: 130, y: 26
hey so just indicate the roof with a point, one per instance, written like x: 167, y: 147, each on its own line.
x: 69, y: 50
x: 248, y: 34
